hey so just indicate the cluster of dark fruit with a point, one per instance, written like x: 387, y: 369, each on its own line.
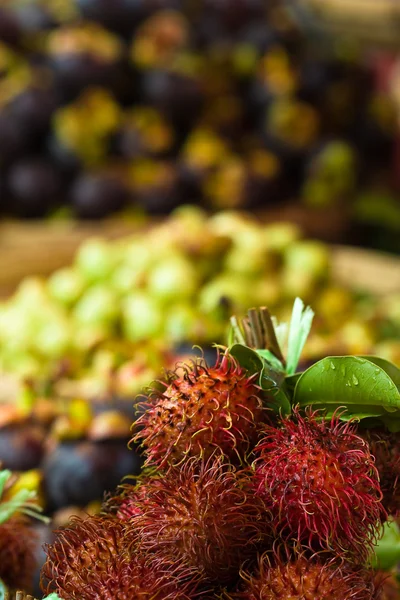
x: 236, y: 502
x: 69, y: 453
x: 69, y: 456
x: 106, y: 105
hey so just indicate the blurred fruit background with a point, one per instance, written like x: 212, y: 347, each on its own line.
x: 124, y: 106
x: 164, y: 164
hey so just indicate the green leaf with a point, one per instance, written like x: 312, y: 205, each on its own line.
x: 359, y: 385
x: 247, y: 358
x: 270, y: 379
x: 22, y: 501
x: 300, y: 325
x: 387, y: 550
x: 271, y: 358
x: 16, y: 504
x: 291, y: 381
x: 392, y: 370
x: 279, y: 402
x: 272, y: 382
x: 392, y: 423
x: 3, y: 590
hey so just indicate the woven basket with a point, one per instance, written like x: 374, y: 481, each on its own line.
x: 37, y: 249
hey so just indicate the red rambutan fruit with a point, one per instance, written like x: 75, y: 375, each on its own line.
x: 202, y: 408
x: 308, y: 579
x: 385, y: 447
x: 97, y: 559
x: 318, y: 479
x: 204, y: 512
x: 133, y: 498
x: 17, y: 553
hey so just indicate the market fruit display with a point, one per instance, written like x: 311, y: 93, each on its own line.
x: 70, y: 372
x: 258, y: 524
x: 122, y: 304
x: 151, y: 104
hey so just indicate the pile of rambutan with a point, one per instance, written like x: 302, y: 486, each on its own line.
x: 259, y: 483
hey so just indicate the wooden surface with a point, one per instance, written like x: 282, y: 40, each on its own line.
x: 34, y: 248
x: 372, y: 271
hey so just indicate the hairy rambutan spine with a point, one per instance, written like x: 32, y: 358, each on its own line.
x: 17, y: 552
x: 307, y: 576
x: 200, y: 410
x: 98, y: 559
x: 319, y: 480
x: 385, y: 447
x: 203, y: 511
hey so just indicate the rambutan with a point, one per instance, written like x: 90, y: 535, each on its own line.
x: 318, y: 479
x: 311, y: 578
x: 132, y: 498
x: 204, y: 512
x: 96, y: 559
x: 385, y: 447
x: 201, y: 408
x: 17, y: 552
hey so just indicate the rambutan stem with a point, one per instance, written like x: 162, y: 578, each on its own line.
x: 257, y: 331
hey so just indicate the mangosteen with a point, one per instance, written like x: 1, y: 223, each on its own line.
x: 73, y: 72
x: 313, y: 77
x: 35, y: 186
x: 82, y: 56
x: 373, y: 135
x: 259, y: 35
x: 10, y: 31
x: 160, y: 40
x: 264, y: 184
x: 290, y: 130
x: 66, y: 161
x: 32, y: 109
x: 157, y: 185
x: 4, y: 197
x: 121, y: 16
x: 33, y: 18
x: 14, y: 139
x: 177, y: 95
x: 95, y: 196
x: 21, y: 446
x: 234, y: 15
x: 79, y: 472
x: 145, y: 132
